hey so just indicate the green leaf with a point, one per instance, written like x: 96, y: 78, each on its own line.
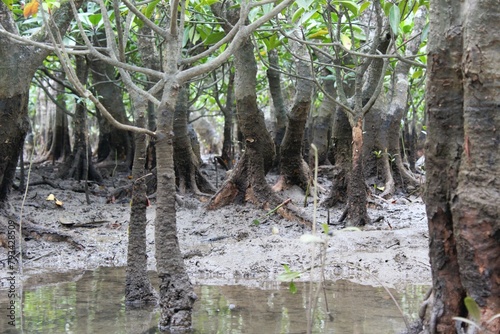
x: 256, y: 222
x: 214, y: 38
x: 351, y: 5
x: 364, y: 6
x: 150, y: 8
x: 292, y: 287
x: 94, y: 19
x: 288, y: 276
x: 473, y: 308
x: 394, y: 18
x: 297, y: 15
x: 425, y: 33
x: 325, y: 228
x: 8, y: 3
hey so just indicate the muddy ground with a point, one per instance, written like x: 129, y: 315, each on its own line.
x: 225, y: 246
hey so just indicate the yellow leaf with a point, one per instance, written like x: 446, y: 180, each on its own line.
x: 346, y: 41
x: 31, y: 8
x: 58, y: 202
x: 319, y: 33
x: 51, y: 197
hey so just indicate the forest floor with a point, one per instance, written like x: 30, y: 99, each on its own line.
x: 224, y: 246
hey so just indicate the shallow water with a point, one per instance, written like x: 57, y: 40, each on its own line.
x: 93, y: 302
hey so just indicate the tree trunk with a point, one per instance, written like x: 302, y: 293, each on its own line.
x: 138, y: 288
x: 475, y: 203
x: 321, y: 126
x: 280, y: 119
x: 340, y: 156
x: 80, y: 166
x: 356, y: 188
x: 176, y: 292
x: 14, y: 125
x: 293, y: 169
x: 14, y: 90
x: 113, y: 143
x: 247, y: 181
x: 443, y: 148
x: 60, y: 147
x: 187, y: 171
x: 227, y: 154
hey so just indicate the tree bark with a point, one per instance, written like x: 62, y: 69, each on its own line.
x: 187, y: 171
x: 113, y: 143
x: 80, y: 166
x: 475, y: 203
x: 293, y: 169
x: 227, y: 154
x: 14, y: 89
x: 280, y: 121
x: 247, y: 180
x: 176, y: 292
x: 340, y: 156
x: 138, y: 288
x: 443, y: 148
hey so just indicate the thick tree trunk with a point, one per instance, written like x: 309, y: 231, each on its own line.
x: 187, y: 171
x: 443, y: 148
x: 14, y: 125
x: 248, y: 176
x: 113, y: 143
x: 14, y: 90
x: 293, y: 169
x: 475, y: 204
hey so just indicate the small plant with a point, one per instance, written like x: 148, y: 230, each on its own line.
x: 378, y: 154
x: 257, y: 222
x: 475, y: 314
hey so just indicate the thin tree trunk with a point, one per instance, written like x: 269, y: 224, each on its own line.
x: 227, y: 154
x: 138, y: 288
x: 280, y: 121
x: 340, y: 156
x: 356, y: 188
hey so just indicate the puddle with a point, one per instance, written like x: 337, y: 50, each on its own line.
x: 93, y: 302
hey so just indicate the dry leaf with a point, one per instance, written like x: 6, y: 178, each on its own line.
x: 51, y: 197
x: 31, y: 8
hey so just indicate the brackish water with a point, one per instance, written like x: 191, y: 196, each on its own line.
x: 92, y: 302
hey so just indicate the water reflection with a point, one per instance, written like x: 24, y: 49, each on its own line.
x: 93, y: 302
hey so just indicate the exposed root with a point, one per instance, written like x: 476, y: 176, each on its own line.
x: 33, y: 231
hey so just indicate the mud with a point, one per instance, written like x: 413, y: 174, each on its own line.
x: 227, y: 246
